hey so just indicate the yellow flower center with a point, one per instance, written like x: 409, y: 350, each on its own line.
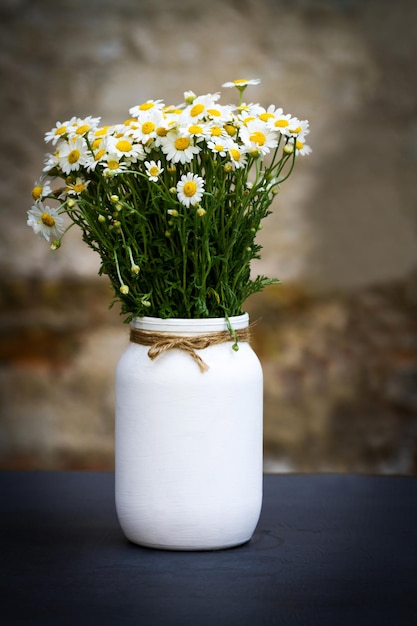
x: 148, y: 127
x: 48, y: 220
x: 112, y: 164
x: 235, y: 154
x: 196, y: 110
x: 61, y: 130
x: 101, y: 131
x: 154, y: 170
x: 219, y: 147
x: 216, y: 131
x: 195, y: 129
x: 265, y: 116
x: 73, y: 156
x: 230, y: 130
x: 78, y: 188
x: 299, y: 145
x: 189, y: 189
x: 182, y: 143
x: 96, y: 143
x: 124, y: 145
x: 37, y: 192
x: 296, y: 130
x: 258, y: 137
x: 99, y: 155
x: 161, y: 131
x: 281, y: 123
x: 214, y: 112
x: 129, y: 121
x: 240, y: 81
x: 247, y: 120
x: 81, y: 130
x: 145, y: 106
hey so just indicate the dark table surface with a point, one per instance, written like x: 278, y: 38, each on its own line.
x: 328, y: 550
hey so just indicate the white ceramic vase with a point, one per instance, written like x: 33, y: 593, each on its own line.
x: 189, y: 443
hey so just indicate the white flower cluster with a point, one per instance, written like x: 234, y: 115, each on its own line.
x: 158, y: 137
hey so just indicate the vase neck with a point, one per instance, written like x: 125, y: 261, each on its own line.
x: 190, y: 326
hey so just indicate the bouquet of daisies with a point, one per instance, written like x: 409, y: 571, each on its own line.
x: 171, y: 199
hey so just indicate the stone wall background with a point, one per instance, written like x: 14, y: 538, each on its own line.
x: 338, y: 338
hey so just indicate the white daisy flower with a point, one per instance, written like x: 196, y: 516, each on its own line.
x: 265, y: 115
x: 51, y: 161
x: 80, y: 126
x: 59, y: 131
x: 299, y: 127
x: 249, y: 110
x: 190, y: 189
x: 282, y: 122
x: 198, y: 109
x: 149, y: 105
x: 72, y: 155
x: 41, y: 189
x: 46, y: 222
x: 219, y: 147
x: 179, y: 147
x: 220, y: 114
x: 112, y: 165
x: 124, y: 146
x: 302, y: 148
x: 237, y: 156
x: 153, y: 170
x: 257, y: 137
x: 199, y: 131
x: 214, y: 131
x: 80, y: 185
x: 242, y: 82
x: 145, y: 127
x: 102, y: 132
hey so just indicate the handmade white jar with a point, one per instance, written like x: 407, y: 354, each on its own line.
x: 189, y: 443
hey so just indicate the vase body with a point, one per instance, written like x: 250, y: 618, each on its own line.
x: 188, y: 444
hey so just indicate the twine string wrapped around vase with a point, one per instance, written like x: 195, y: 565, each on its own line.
x: 162, y: 342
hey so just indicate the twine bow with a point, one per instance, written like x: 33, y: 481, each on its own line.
x: 162, y: 342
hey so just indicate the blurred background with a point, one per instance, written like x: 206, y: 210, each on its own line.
x: 338, y: 338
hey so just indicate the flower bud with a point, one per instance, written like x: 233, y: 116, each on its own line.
x: 124, y: 289
x: 200, y: 211
x: 71, y: 203
x: 56, y: 244
x: 135, y: 269
x: 101, y: 219
x: 189, y: 97
x: 114, y: 198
